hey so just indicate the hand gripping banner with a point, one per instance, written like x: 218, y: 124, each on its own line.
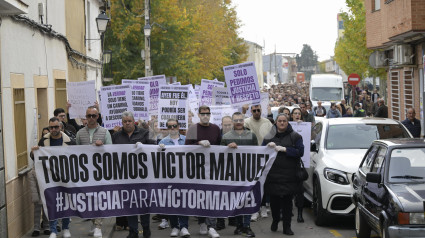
x: 120, y: 180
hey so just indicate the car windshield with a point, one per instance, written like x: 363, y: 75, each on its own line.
x: 361, y: 136
x: 326, y: 94
x: 407, y: 165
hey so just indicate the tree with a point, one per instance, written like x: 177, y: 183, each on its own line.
x: 307, y: 61
x: 351, y: 52
x: 190, y: 39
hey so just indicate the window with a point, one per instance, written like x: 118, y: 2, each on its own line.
x: 379, y: 161
x: 20, y: 128
x: 316, y: 134
x: 376, y: 5
x: 367, y: 163
x: 408, y: 89
x: 395, y: 98
x: 60, y: 93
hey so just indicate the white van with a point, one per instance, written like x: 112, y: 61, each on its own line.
x: 326, y: 88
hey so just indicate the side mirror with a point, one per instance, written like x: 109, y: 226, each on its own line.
x: 313, y: 147
x: 373, y: 177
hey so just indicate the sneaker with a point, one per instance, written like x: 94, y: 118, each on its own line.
x: 238, y: 231
x: 174, y: 232
x: 254, y: 216
x: 246, y: 231
x: 35, y: 233
x: 203, y: 229
x: 212, y: 233
x: 184, y: 232
x: 66, y: 233
x: 163, y: 224
x: 263, y: 212
x: 97, y: 233
x: 52, y: 235
x: 46, y: 232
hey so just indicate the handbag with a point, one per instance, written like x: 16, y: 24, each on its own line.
x: 301, y: 172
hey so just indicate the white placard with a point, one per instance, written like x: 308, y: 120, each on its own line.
x: 264, y: 104
x: 218, y: 112
x: 220, y: 96
x: 206, y: 90
x: 173, y: 104
x: 304, y: 129
x: 115, y: 100
x: 155, y: 82
x: 81, y: 95
x: 242, y: 83
x: 139, y: 97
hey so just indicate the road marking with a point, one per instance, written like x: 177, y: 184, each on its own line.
x: 335, y: 233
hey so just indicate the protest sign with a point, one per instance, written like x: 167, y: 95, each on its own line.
x: 121, y: 180
x: 220, y: 96
x: 115, y: 100
x: 206, y: 90
x: 218, y: 112
x: 176, y: 83
x: 81, y: 95
x: 242, y: 83
x: 173, y: 104
x: 139, y: 97
x: 304, y: 129
x: 155, y: 82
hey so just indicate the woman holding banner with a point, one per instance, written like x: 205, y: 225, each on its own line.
x: 281, y: 183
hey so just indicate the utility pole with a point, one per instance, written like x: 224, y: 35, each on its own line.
x: 147, y: 31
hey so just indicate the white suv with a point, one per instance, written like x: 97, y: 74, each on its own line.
x: 337, y: 148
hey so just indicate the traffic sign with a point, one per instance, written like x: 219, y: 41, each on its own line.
x: 354, y: 79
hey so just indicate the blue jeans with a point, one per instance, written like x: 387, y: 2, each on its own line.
x: 243, y: 220
x: 133, y: 223
x: 54, y: 223
x: 179, y: 221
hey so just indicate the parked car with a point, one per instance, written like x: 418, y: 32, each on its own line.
x: 337, y: 148
x: 389, y: 189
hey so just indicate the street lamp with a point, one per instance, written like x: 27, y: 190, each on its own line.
x: 102, y: 22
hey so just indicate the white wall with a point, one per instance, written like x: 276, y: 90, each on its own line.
x: 93, y: 47
x: 26, y: 51
x: 255, y: 54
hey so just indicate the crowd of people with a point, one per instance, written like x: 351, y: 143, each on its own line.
x: 281, y: 186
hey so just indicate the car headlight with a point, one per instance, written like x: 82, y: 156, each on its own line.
x: 336, y: 176
x: 406, y: 218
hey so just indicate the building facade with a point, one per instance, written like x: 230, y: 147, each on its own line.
x: 396, y: 29
x: 42, y: 46
x: 255, y: 54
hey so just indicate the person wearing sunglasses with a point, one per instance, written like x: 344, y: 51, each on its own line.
x: 205, y: 134
x: 240, y: 136
x: 55, y: 138
x: 93, y: 134
x: 179, y: 224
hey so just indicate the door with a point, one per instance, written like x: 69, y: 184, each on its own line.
x: 316, y: 135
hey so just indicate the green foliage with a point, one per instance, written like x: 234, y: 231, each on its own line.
x: 190, y: 39
x: 307, y: 61
x: 351, y: 52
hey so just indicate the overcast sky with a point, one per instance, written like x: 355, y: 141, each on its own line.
x: 288, y: 24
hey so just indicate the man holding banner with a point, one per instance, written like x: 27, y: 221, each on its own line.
x: 97, y: 135
x: 205, y: 133
x: 240, y: 136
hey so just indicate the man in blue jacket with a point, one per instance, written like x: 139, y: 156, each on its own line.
x: 412, y: 124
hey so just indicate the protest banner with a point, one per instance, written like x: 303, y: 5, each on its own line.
x: 81, y: 95
x: 242, y: 83
x: 304, y: 129
x: 220, y: 96
x: 139, y: 97
x: 115, y: 100
x: 176, y: 83
x: 155, y: 82
x: 218, y: 112
x: 121, y: 180
x: 264, y: 106
x: 173, y: 104
x: 206, y: 90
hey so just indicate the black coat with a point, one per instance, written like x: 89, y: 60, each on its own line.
x: 281, y: 178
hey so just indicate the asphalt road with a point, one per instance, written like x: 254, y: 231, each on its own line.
x: 338, y: 227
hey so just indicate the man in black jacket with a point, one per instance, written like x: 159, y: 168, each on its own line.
x: 382, y: 109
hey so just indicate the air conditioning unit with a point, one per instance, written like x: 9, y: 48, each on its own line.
x: 378, y: 59
x: 403, y: 54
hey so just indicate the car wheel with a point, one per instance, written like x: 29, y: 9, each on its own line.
x: 362, y: 228
x: 319, y: 212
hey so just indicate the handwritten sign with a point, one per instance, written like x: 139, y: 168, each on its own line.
x: 115, y: 100
x: 220, y: 96
x: 155, y: 82
x: 173, y: 104
x: 81, y: 95
x: 139, y: 97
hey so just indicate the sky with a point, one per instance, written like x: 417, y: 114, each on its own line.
x: 288, y: 24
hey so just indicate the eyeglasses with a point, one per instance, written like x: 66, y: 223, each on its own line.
x: 207, y: 114
x: 238, y: 120
x: 91, y: 115
x: 172, y: 126
x: 256, y: 110
x: 53, y: 127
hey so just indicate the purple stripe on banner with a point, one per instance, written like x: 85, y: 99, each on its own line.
x: 142, y: 198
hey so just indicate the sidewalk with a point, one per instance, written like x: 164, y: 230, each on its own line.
x: 80, y: 228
